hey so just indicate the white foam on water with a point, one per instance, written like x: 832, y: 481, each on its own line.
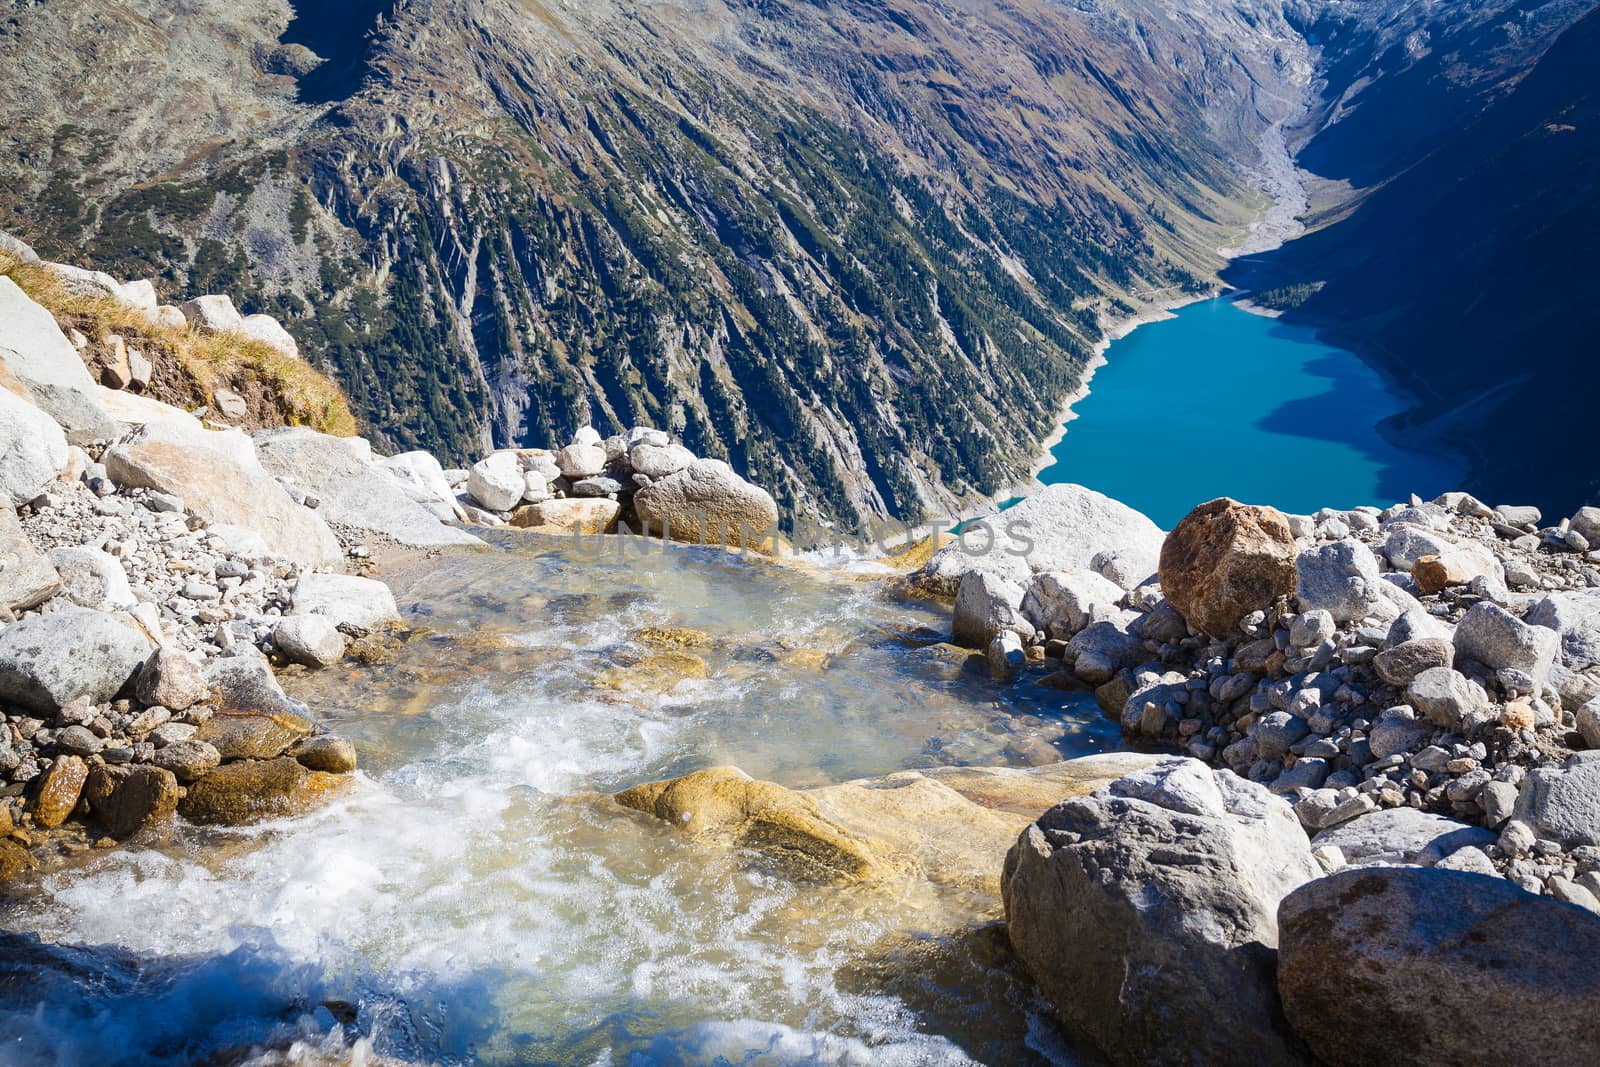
x: 478, y: 911
x: 462, y: 871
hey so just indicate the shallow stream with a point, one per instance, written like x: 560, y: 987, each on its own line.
x: 469, y: 899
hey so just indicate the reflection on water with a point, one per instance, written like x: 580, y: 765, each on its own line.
x: 474, y: 904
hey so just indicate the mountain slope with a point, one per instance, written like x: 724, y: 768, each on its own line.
x: 1468, y: 278
x: 861, y: 249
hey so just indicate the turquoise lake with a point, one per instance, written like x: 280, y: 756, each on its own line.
x: 1217, y: 401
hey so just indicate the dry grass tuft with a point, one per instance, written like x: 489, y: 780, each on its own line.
x: 300, y: 394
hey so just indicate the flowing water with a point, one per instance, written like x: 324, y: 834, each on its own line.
x: 468, y: 899
x: 1217, y: 401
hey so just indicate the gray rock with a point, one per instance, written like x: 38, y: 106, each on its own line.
x: 92, y: 579
x: 1307, y: 773
x: 424, y: 480
x: 50, y: 661
x: 17, y: 248
x: 1588, y: 720
x: 659, y: 461
x: 1415, y: 624
x: 313, y: 640
x: 1147, y: 914
x: 1340, y: 578
x: 1276, y: 732
x: 1060, y: 603
x: 1518, y: 515
x: 708, y: 503
x: 599, y: 486
x: 270, y: 332
x: 188, y: 760
x: 229, y: 404
x: 581, y: 460
x: 1006, y: 657
x: 986, y: 605
x: 346, y: 600
x: 1403, y: 662
x: 224, y: 485
x: 33, y: 450
x: 1563, y: 803
x: 1494, y: 637
x: 1100, y: 649
x: 1407, y: 544
x: 1586, y: 523
x: 26, y: 577
x: 172, y: 679
x: 1402, y: 835
x: 247, y: 684
x: 354, y: 492
x: 1471, y: 860
x: 1406, y: 965
x: 1499, y: 803
x: 1575, y: 617
x: 1448, y: 698
x: 1311, y: 628
x: 1061, y: 528
x: 78, y: 741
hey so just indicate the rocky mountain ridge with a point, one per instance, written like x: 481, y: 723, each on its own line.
x: 862, y: 252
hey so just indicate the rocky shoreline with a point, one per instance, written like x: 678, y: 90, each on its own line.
x: 1416, y: 688
x: 158, y: 565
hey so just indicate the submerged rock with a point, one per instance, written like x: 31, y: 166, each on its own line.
x: 780, y: 823
x: 245, y: 792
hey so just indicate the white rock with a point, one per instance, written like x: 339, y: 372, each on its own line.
x: 496, y: 482
x: 313, y: 640
x: 1061, y: 603
x: 1061, y: 528
x: 269, y: 331
x: 346, y: 600
x: 33, y: 450
x: 214, y: 311
x: 581, y: 460
x: 39, y: 355
x: 92, y: 579
x: 986, y: 605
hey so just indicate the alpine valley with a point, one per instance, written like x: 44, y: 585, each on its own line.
x: 863, y: 250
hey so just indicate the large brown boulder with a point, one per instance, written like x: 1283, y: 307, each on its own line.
x: 239, y: 793
x: 1406, y: 965
x: 1225, y: 560
x: 127, y: 799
